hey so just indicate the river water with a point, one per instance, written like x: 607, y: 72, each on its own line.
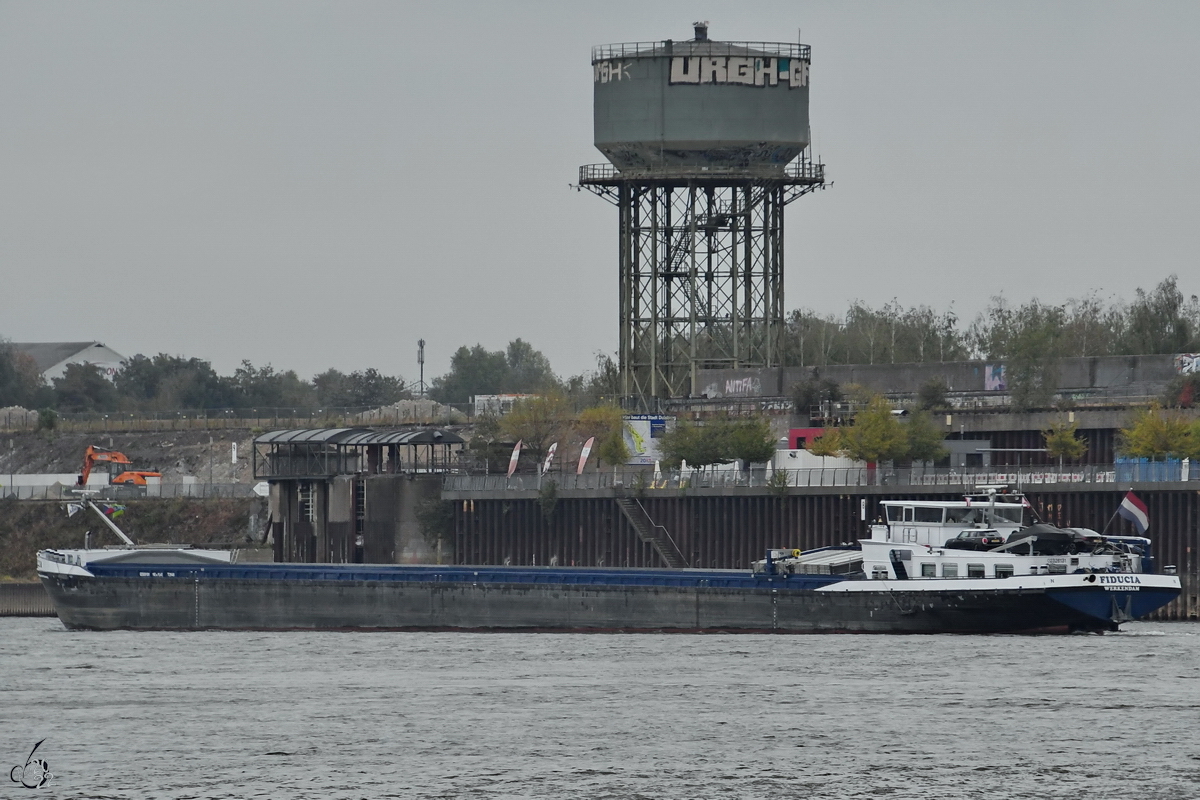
x: 619, y: 717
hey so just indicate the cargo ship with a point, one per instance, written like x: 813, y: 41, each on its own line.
x: 965, y: 566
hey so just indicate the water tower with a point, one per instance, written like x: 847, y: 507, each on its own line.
x: 707, y: 142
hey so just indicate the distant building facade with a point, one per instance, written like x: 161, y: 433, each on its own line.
x: 52, y: 358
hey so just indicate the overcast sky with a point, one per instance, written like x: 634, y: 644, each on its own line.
x: 320, y: 185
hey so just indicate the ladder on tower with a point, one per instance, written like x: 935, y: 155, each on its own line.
x: 648, y: 531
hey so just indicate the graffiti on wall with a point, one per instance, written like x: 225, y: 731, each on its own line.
x: 1187, y: 363
x: 993, y: 378
x: 734, y: 387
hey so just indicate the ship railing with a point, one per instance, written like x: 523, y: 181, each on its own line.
x: 782, y: 480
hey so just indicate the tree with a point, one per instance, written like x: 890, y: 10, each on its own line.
x: 1158, y: 321
x: 528, y: 370
x: 814, y: 393
x: 21, y: 382
x: 876, y: 435
x: 1028, y: 339
x: 518, y: 369
x: 263, y: 387
x: 361, y: 388
x: 487, y: 443
x: 607, y: 424
x: 932, y: 393
x: 717, y: 441
x: 1062, y: 441
x: 602, y: 385
x: 751, y: 441
x: 436, y: 520
x: 83, y: 387
x: 698, y: 445
x: 924, y: 438
x: 1154, y: 433
x: 538, y: 422
x: 167, y: 382
x: 473, y: 371
x: 828, y: 443
x: 1183, y: 391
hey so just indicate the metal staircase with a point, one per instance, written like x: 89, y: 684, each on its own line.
x: 647, y: 531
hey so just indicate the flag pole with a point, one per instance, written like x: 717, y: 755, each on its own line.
x: 1115, y: 513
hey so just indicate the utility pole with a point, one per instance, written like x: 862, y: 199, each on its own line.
x: 421, y: 366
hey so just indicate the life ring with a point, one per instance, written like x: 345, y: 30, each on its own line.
x: 795, y: 554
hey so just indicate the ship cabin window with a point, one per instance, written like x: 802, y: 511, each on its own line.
x: 981, y: 514
x: 949, y: 570
x: 879, y: 573
x: 1056, y: 569
x: 929, y: 515
x: 894, y: 513
x: 1004, y: 570
x: 976, y: 571
x: 964, y: 516
x: 929, y: 570
x: 908, y: 514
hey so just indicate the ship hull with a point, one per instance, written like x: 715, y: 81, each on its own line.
x: 198, y: 603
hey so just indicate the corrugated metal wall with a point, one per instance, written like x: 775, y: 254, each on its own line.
x: 731, y: 532
x: 25, y: 600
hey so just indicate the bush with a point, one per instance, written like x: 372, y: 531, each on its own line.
x: 47, y: 419
x: 932, y: 394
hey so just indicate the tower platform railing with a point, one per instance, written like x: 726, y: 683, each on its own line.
x: 706, y: 47
x: 800, y: 172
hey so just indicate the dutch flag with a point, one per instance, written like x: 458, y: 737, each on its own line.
x: 1134, y: 510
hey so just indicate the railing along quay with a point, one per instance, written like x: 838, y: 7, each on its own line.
x: 784, y: 479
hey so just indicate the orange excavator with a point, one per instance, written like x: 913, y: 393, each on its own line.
x: 119, y: 468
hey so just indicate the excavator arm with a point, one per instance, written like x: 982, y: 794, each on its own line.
x: 97, y: 455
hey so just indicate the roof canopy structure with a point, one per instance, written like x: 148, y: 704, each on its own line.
x: 325, y: 452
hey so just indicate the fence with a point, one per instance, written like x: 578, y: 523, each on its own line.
x: 1143, y: 469
x: 163, y: 491
x: 411, y: 413
x: 783, y: 479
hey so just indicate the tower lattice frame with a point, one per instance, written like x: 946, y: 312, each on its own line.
x: 701, y: 269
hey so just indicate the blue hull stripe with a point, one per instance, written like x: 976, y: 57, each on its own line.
x: 576, y: 576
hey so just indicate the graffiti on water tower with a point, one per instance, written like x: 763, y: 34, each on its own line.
x: 607, y: 71
x: 740, y: 70
x: 725, y: 70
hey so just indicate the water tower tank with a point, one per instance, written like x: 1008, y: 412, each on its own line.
x: 700, y: 104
